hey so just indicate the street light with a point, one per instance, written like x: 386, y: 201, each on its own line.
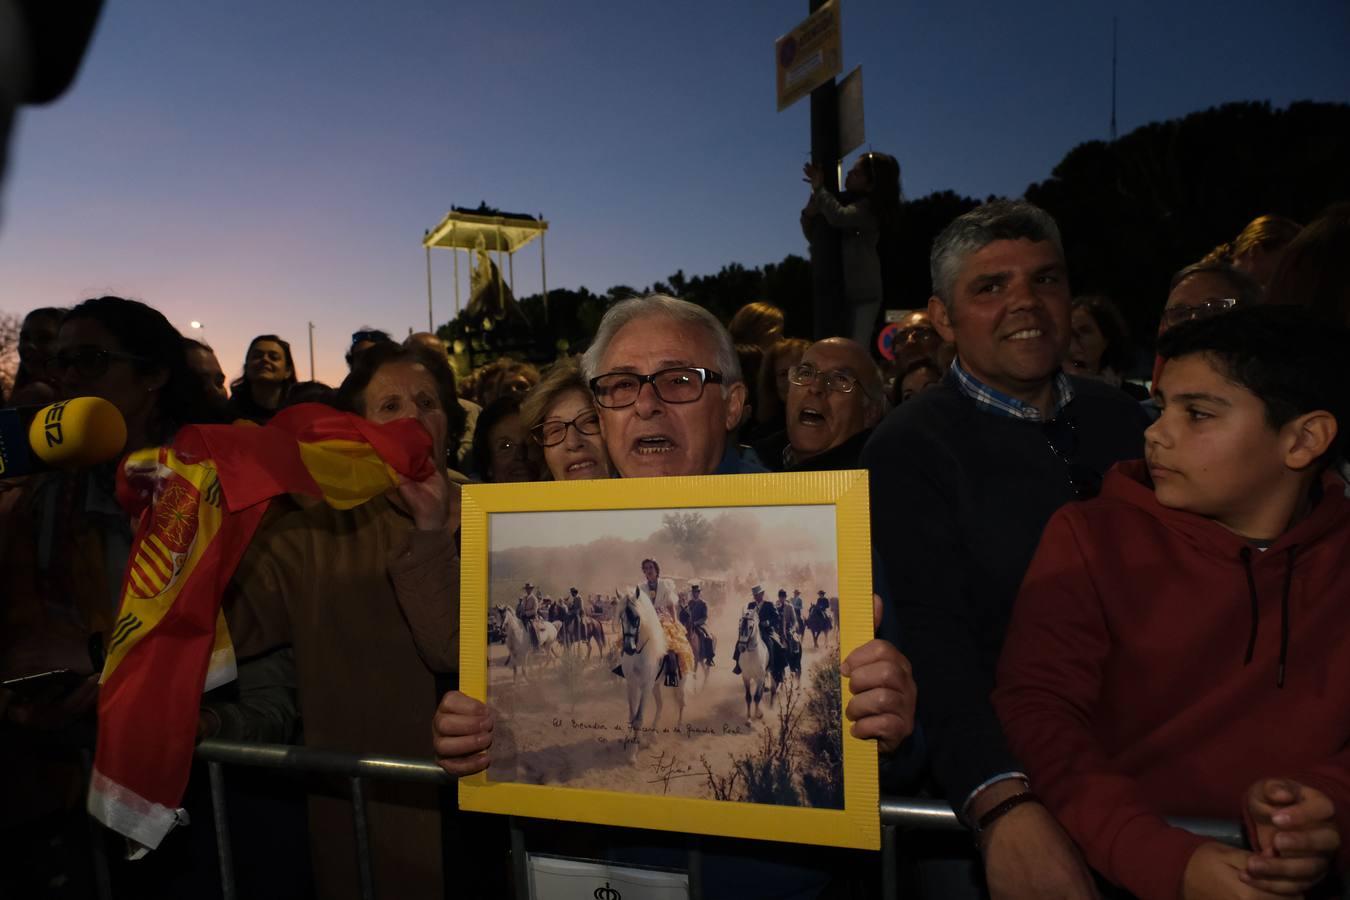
x: 200, y: 329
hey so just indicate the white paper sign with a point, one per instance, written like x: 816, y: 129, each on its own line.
x: 553, y: 878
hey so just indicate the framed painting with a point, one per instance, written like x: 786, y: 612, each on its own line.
x: 664, y: 653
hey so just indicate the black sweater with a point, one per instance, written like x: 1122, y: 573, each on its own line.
x: 959, y: 499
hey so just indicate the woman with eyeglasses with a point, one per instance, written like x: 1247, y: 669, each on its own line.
x: 113, y: 348
x: 269, y: 373
x: 64, y: 545
x: 562, y: 421
x: 501, y: 448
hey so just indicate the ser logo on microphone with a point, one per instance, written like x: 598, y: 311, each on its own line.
x: 51, y: 424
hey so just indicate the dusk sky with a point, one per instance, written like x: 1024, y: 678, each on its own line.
x: 256, y: 166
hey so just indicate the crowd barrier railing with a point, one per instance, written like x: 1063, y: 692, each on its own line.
x: 897, y: 813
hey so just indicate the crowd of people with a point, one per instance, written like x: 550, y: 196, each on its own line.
x: 1106, y: 594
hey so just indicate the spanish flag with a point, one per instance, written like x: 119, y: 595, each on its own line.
x: 199, y: 502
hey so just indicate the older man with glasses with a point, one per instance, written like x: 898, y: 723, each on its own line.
x: 835, y: 398
x: 667, y: 384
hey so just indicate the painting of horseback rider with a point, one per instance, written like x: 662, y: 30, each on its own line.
x: 769, y: 632
x: 574, y: 616
x: 820, y: 619
x: 662, y: 593
x: 527, y: 610
x: 695, y: 618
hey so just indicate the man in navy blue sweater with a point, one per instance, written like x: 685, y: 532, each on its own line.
x: 976, y: 466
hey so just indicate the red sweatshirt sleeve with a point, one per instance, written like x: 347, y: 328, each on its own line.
x: 1049, y: 681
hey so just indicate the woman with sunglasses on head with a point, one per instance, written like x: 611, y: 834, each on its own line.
x: 562, y: 422
x: 269, y: 373
x: 1199, y: 291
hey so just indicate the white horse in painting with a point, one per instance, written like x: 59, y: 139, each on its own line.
x: 642, y: 669
x: 520, y: 646
x: 754, y: 663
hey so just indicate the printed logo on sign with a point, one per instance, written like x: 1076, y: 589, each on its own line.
x: 607, y: 893
x: 52, y: 424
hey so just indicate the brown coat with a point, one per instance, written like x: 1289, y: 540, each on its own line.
x: 371, y: 606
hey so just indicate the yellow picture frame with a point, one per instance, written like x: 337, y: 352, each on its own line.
x: 856, y: 825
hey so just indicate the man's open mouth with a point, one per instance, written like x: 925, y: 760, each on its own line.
x: 648, y: 446
x: 1026, y: 334
x: 811, y: 417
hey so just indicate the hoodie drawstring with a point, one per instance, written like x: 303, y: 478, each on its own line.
x: 1290, y: 556
x: 1284, y: 614
x: 1256, y: 614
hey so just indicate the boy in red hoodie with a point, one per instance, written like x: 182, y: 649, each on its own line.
x: 1181, y: 644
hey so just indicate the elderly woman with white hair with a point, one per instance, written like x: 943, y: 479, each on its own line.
x: 368, y: 598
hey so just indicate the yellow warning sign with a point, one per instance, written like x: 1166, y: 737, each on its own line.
x: 809, y: 55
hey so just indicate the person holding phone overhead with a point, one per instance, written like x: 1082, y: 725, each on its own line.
x: 868, y: 208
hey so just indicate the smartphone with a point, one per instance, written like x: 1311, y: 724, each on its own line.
x: 58, y: 681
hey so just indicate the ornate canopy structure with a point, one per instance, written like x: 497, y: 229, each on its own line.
x: 481, y: 233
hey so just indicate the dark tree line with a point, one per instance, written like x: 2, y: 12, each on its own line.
x: 1132, y: 212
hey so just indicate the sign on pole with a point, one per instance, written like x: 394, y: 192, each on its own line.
x: 809, y: 55
x: 851, y: 131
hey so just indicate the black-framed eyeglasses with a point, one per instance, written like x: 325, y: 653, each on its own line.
x: 551, y: 434
x: 90, y: 362
x: 1175, y: 315
x: 1061, y: 433
x: 805, y: 375
x: 683, y: 384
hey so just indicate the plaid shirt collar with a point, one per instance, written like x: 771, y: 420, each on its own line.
x: 989, y: 400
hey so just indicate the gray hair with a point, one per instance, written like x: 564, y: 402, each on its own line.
x: 681, y: 311
x: 997, y: 220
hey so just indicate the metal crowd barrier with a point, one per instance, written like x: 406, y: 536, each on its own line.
x: 896, y: 812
